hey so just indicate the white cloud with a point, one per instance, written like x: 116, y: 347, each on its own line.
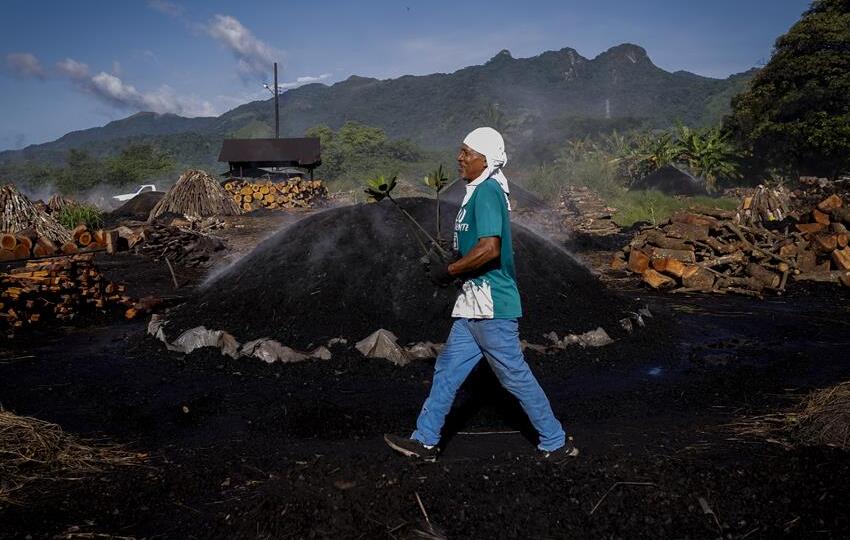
x: 25, y: 65
x: 111, y: 89
x: 168, y: 8
x: 72, y: 69
x: 254, y: 57
x: 300, y: 81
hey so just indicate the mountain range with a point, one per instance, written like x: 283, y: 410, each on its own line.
x: 545, y: 98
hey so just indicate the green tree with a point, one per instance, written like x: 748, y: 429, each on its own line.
x: 83, y: 171
x: 795, y: 114
x: 137, y: 163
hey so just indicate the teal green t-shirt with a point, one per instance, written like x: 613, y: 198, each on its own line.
x: 492, y: 293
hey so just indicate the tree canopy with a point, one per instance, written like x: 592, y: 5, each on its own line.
x: 795, y: 114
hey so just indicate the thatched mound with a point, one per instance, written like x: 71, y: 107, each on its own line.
x: 197, y: 194
x: 349, y: 271
x: 57, y: 202
x: 32, y: 450
x: 18, y: 214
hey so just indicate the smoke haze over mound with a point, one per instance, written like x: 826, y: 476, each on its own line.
x: 348, y: 271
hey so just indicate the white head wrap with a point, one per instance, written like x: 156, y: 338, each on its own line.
x: 489, y: 143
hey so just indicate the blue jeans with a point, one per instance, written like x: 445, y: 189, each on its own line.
x: 498, y: 341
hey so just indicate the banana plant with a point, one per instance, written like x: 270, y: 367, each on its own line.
x: 437, y: 180
x: 380, y: 188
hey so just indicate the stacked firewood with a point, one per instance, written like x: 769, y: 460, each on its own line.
x: 706, y: 250
x: 28, y: 244
x: 584, y: 211
x: 184, y: 242
x: 18, y: 213
x: 60, y: 288
x: 295, y: 193
x: 764, y: 206
x: 198, y: 194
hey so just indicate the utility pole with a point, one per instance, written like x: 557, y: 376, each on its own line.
x: 276, y: 108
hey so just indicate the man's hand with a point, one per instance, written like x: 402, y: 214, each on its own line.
x: 438, y: 269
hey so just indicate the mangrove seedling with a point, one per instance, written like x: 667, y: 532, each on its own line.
x: 437, y: 180
x: 380, y: 188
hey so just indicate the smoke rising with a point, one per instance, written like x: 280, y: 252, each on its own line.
x: 254, y: 57
x: 25, y: 65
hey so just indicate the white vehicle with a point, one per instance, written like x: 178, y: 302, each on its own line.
x: 142, y: 189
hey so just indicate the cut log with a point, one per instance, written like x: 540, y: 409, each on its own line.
x: 841, y: 214
x: 685, y: 231
x: 6, y: 255
x: 696, y: 277
x: 78, y: 230
x: 734, y: 258
x: 684, y: 255
x: 84, y: 240
x: 765, y: 276
x: 21, y: 252
x: 810, y: 228
x: 807, y: 261
x: 8, y: 241
x: 638, y: 261
x: 839, y: 228
x: 619, y: 263
x: 672, y: 267
x: 788, y: 251
x: 841, y: 258
x: 830, y: 203
x: 657, y: 280
x: 820, y: 217
x: 659, y: 239
x: 825, y: 243
x: 842, y: 239
x: 44, y: 248
x: 694, y: 219
x: 112, y: 244
x: 70, y: 248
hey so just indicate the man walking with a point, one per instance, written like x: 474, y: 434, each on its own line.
x: 487, y: 307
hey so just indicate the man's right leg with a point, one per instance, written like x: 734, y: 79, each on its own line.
x: 454, y: 364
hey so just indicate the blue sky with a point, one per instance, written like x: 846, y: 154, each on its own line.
x: 66, y: 66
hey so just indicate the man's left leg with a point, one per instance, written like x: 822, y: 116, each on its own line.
x: 499, y: 341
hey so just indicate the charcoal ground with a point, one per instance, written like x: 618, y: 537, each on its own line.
x: 242, y: 449
x: 349, y: 271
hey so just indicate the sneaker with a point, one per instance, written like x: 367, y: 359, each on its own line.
x: 411, y: 447
x: 561, y: 454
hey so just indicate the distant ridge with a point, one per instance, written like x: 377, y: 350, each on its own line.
x: 528, y: 98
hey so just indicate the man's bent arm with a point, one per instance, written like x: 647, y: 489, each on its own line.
x: 487, y: 249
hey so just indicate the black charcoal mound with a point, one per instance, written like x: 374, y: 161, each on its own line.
x: 521, y: 198
x: 348, y: 271
x: 139, y: 207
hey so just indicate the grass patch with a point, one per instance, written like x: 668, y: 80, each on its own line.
x: 656, y: 207
x: 72, y: 215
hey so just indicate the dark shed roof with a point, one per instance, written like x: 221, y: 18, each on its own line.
x: 296, y: 152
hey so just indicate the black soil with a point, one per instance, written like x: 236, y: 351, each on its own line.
x: 242, y: 449
x: 349, y: 271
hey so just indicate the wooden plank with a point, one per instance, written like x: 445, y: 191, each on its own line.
x: 657, y: 280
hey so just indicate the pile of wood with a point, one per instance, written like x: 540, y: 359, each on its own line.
x: 58, y: 288
x: 27, y: 244
x: 706, y: 250
x: 184, y: 242
x: 584, y: 211
x: 294, y: 193
x: 18, y: 214
x: 196, y: 194
x: 765, y: 205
